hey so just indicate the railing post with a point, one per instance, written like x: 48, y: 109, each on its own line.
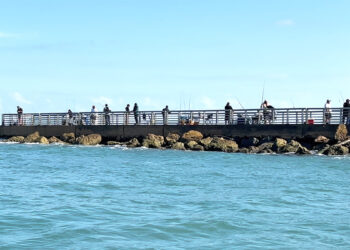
x: 39, y: 119
x: 302, y: 116
x: 287, y: 116
x: 341, y: 116
x: 3, y: 120
x: 216, y: 118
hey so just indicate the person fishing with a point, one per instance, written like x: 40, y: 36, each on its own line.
x: 327, y: 112
x: 93, y: 115
x: 228, y: 113
x: 70, y: 117
x: 127, y: 112
x: 268, y: 112
x: 106, y: 110
x: 136, y: 113
x: 165, y: 113
x: 19, y: 114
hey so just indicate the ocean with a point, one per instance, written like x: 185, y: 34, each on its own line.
x: 78, y: 197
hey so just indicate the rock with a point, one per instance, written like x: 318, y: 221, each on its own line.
x: 54, y: 139
x: 172, y: 139
x: 191, y: 144
x: 290, y: 147
x: 265, y: 146
x: 302, y: 151
x: 93, y: 139
x: 221, y: 144
x: 192, y: 135
x: 19, y: 139
x: 198, y: 147
x: 153, y: 141
x: 206, y: 142
x: 320, y: 147
x: 43, y: 140
x: 279, y: 144
x: 133, y: 143
x: 113, y: 143
x: 266, y: 151
x: 321, y: 139
x: 32, y: 138
x: 336, y: 150
x: 244, y: 150
x: 179, y: 146
x: 68, y: 137
x: 248, y: 142
x: 342, y: 133
x: 253, y: 149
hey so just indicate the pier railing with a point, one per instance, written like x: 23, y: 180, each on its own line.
x: 188, y: 117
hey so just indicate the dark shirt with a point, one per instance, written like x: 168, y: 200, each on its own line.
x: 228, y: 107
x: 106, y: 110
x: 127, y: 109
x: 19, y: 111
x: 136, y: 109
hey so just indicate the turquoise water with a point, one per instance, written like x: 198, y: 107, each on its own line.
x: 59, y: 197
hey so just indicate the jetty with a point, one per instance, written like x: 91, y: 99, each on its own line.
x: 286, y: 123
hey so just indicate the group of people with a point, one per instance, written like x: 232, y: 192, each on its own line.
x: 107, y: 115
x: 266, y: 116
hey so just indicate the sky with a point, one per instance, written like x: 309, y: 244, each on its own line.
x: 61, y: 54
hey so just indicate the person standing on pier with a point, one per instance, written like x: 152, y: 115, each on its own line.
x: 106, y: 110
x: 228, y: 113
x: 346, y: 111
x: 19, y: 114
x: 327, y: 112
x: 93, y: 116
x: 136, y: 113
x: 165, y: 113
x: 70, y: 117
x: 127, y: 112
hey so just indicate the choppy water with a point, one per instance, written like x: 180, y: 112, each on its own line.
x: 58, y: 197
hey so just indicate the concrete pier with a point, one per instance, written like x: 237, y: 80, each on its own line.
x: 124, y: 132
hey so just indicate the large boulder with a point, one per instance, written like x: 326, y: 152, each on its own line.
x: 32, y: 138
x: 342, y: 133
x: 19, y: 139
x: 68, y: 137
x: 206, y: 142
x: 43, y: 140
x: 133, y: 143
x: 290, y: 147
x: 172, y: 139
x: 198, y: 147
x: 266, y: 147
x: 302, y: 151
x: 93, y: 139
x: 178, y: 146
x: 221, y: 144
x: 191, y: 144
x: 54, y: 139
x: 192, y: 135
x: 336, y: 150
x: 253, y: 149
x: 153, y: 141
x: 249, y: 142
x: 278, y: 145
x: 321, y: 139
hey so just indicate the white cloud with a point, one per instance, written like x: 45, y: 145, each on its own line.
x: 20, y: 99
x: 285, y: 22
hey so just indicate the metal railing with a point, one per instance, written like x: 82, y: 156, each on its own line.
x: 188, y: 117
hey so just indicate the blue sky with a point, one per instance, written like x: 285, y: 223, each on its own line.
x: 56, y: 55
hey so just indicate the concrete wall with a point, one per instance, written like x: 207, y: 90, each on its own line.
x: 126, y: 132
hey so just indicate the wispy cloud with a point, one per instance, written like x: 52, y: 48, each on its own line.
x: 20, y: 99
x: 285, y: 22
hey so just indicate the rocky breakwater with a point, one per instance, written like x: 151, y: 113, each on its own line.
x: 195, y: 141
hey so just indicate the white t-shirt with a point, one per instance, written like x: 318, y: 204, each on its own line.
x: 327, y: 106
